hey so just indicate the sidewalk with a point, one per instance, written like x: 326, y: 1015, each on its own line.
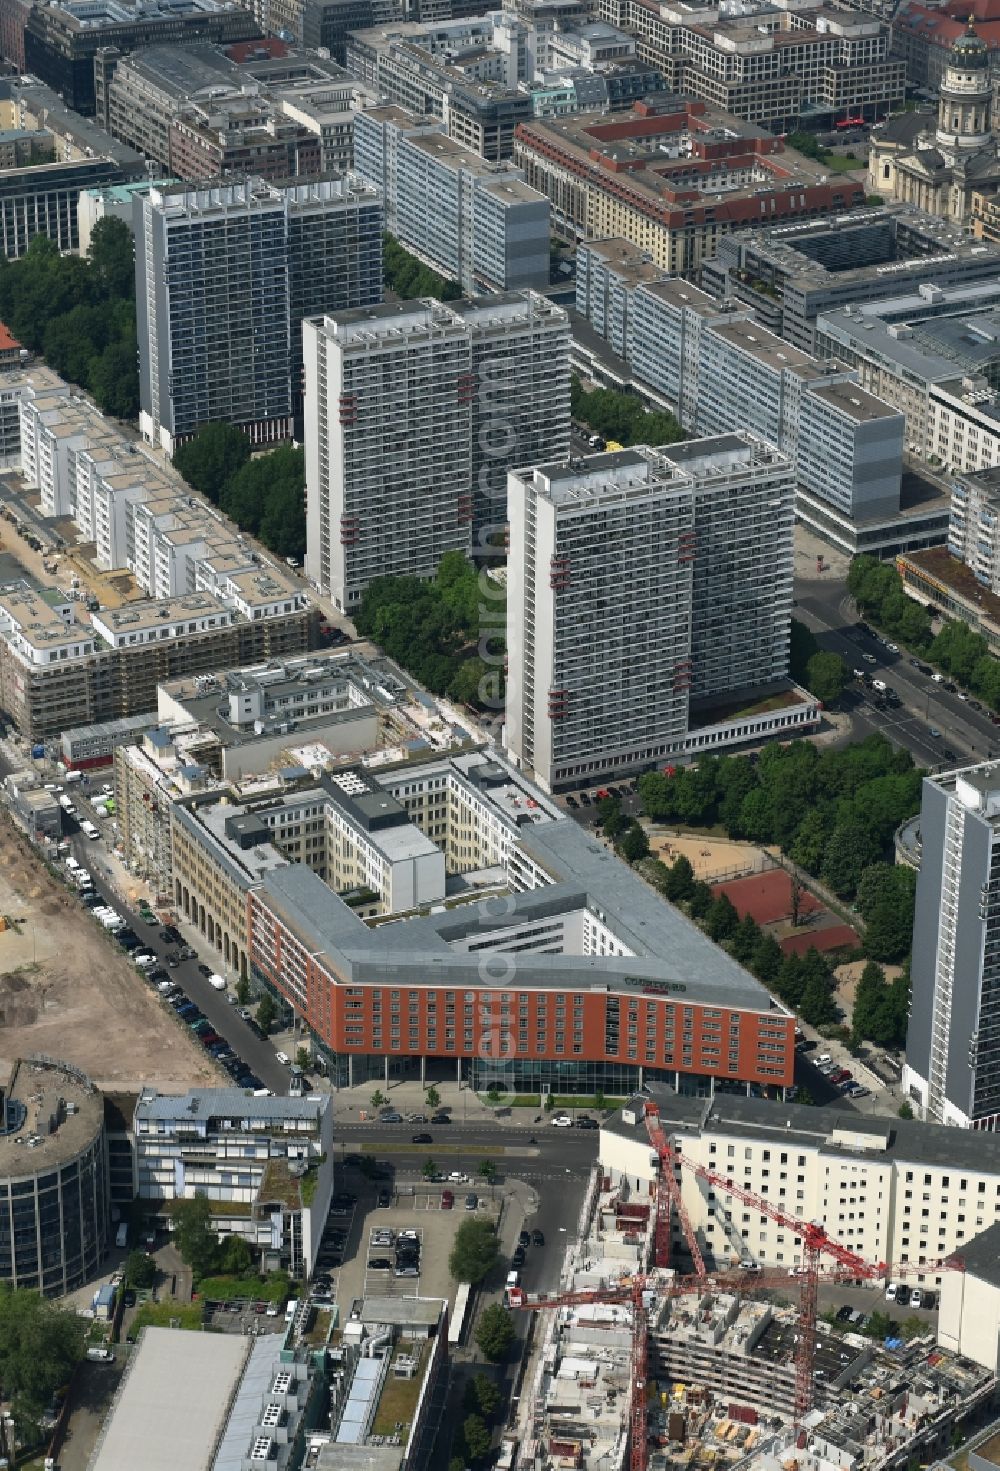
x: 408, y: 1096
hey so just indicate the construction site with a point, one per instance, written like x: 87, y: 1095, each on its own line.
x: 643, y: 1367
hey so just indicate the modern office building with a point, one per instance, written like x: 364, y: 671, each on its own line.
x: 550, y: 966
x: 674, y: 176
x: 974, y: 529
x: 204, y: 111
x: 55, y: 1206
x: 224, y: 277
x: 61, y: 40
x: 474, y: 221
x: 264, y: 1164
x: 464, y: 72
x: 683, y: 553
x: 793, y: 272
x: 720, y: 372
x: 952, y: 1071
x: 893, y: 1190
x: 414, y: 412
x: 777, y: 67
x: 934, y: 354
x: 67, y: 153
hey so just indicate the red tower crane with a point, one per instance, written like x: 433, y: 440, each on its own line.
x: 668, y: 1193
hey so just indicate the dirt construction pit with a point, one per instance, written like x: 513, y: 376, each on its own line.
x: 67, y: 990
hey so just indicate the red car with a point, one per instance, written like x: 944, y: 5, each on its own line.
x: 840, y: 1076
x: 447, y: 1199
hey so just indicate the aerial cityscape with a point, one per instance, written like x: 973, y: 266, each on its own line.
x: 500, y: 735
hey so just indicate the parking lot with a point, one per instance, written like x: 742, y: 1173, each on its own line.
x: 348, y: 1247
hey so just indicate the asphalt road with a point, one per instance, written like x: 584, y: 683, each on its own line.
x: 828, y: 611
x: 223, y: 1016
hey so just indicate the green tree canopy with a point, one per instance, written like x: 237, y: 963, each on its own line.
x: 633, y: 843
x: 140, y: 1269
x: 40, y: 1345
x: 495, y: 1332
x: 407, y: 277
x: 210, y: 459
x: 474, y: 1251
x: 886, y: 899
x: 622, y: 416
x: 826, y: 676
x: 267, y: 1012
x: 477, y: 1437
x: 680, y: 880
x: 80, y: 313
x: 194, y: 1234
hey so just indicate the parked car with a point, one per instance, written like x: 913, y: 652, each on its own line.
x: 524, y: 1238
x: 587, y: 1123
x: 204, y: 970
x: 537, y: 1237
x: 380, y: 1264
x: 471, y: 1201
x: 386, y: 1118
x: 562, y: 1121
x: 383, y: 1199
x: 440, y: 1118
x: 447, y: 1199
x: 517, y: 1260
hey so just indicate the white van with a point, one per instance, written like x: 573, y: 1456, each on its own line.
x: 916, y: 1298
x: 90, y: 830
x: 890, y: 1291
x: 121, y: 1239
x: 291, y: 1307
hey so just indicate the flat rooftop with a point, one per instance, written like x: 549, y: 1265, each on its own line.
x: 52, y: 1113
x: 843, y: 1133
x: 172, y: 1371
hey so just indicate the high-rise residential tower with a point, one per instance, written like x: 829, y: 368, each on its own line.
x: 952, y: 1072
x: 413, y: 415
x: 224, y: 276
x: 642, y: 586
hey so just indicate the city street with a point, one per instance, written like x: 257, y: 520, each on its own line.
x: 224, y: 1017
x: 828, y: 610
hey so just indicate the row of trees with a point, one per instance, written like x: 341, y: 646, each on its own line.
x: 885, y: 900
x: 440, y: 629
x: 880, y: 1007
x: 265, y: 496
x: 79, y: 313
x: 834, y: 812
x: 804, y: 982
x: 621, y: 416
x: 878, y: 589
x: 472, y: 1440
x: 407, y: 277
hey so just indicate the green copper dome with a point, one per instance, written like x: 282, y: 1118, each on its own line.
x: 970, y: 50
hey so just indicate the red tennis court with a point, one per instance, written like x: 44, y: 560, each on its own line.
x: 767, y: 896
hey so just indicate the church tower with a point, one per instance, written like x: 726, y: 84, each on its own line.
x: 964, y: 111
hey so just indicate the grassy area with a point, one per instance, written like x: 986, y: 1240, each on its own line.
x: 165, y: 1315
x: 838, y: 164
x: 398, y: 1402
x: 317, y: 1334
x: 261, y: 1289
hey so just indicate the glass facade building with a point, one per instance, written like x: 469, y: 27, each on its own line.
x: 54, y: 1193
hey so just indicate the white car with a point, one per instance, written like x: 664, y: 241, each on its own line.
x: 218, y: 983
x: 283, y: 1058
x: 562, y: 1121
